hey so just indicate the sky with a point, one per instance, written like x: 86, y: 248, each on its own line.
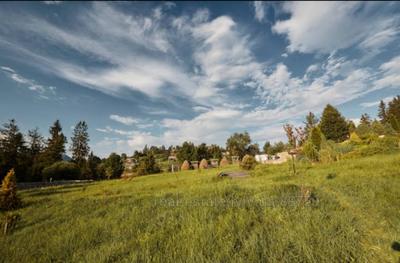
x: 160, y: 73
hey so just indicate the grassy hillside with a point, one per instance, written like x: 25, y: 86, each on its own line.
x: 353, y: 215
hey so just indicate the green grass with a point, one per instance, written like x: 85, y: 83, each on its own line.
x: 195, y: 217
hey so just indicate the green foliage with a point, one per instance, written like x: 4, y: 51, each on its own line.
x: 148, y: 165
x: 278, y: 147
x: 55, y: 144
x: 310, y: 151
x: 8, y: 195
x: 259, y: 218
x: 215, y: 152
x: 333, y: 125
x: 13, y: 152
x: 316, y: 138
x: 187, y: 152
x: 382, y: 112
x: 355, y: 139
x: 253, y: 149
x: 238, y: 144
x: 112, y: 166
x: 62, y: 170
x: 201, y: 152
x: 310, y: 123
x: 80, y: 143
x: 248, y: 162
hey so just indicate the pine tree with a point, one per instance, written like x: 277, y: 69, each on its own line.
x: 35, y: 142
x: 80, y: 143
x: 9, y: 198
x: 12, y: 149
x: 393, y: 113
x: 55, y: 144
x: 311, y: 122
x: 316, y: 138
x: 365, y: 119
x: 333, y: 125
x: 382, y: 112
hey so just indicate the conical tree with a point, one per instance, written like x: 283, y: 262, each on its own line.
x: 55, y: 144
x: 9, y: 198
x: 80, y: 143
x: 382, y: 112
x: 333, y: 125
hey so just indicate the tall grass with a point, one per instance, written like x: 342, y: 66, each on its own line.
x: 194, y: 216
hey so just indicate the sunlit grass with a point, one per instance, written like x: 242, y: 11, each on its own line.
x: 195, y: 216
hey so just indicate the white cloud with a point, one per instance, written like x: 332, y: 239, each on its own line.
x: 259, y: 10
x: 328, y: 26
x: 44, y: 91
x: 127, y: 120
x: 375, y: 103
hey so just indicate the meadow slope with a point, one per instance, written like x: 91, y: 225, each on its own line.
x: 353, y: 215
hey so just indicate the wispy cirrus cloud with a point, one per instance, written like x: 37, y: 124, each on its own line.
x: 127, y: 120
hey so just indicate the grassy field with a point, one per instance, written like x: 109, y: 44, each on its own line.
x: 353, y: 215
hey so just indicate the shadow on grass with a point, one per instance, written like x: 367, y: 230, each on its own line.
x: 56, y: 190
x: 396, y: 246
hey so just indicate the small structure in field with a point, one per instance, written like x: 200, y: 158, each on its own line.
x: 195, y: 164
x: 235, y: 159
x: 203, y: 164
x: 261, y: 158
x: 214, y: 163
x: 173, y: 163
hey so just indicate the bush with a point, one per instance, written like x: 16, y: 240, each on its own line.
x: 316, y: 138
x: 147, y: 165
x: 248, y: 162
x: 203, y: 164
x: 185, y: 165
x: 61, y: 170
x: 9, y: 199
x: 310, y: 151
x: 223, y: 162
x: 355, y: 139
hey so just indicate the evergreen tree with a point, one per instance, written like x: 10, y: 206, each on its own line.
x: 187, y: 152
x: 311, y: 122
x: 55, y: 144
x: 316, y: 138
x: 382, y: 112
x: 80, y: 143
x: 365, y: 119
x: 202, y: 152
x: 215, y: 152
x: 93, y: 163
x: 393, y: 113
x: 267, y: 147
x: 12, y: 149
x: 333, y: 125
x: 35, y: 148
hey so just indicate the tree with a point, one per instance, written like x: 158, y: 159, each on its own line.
x: 316, y: 138
x: 55, y: 144
x: 147, y: 165
x: 12, y: 149
x: 290, y: 135
x: 187, y: 152
x: 267, y: 147
x: 365, y: 119
x: 333, y: 125
x: 202, y: 152
x: 301, y: 135
x: 382, y: 112
x: 80, y: 143
x: 61, y: 170
x: 253, y: 149
x: 9, y: 199
x: 215, y: 152
x: 311, y: 122
x: 113, y: 166
x: 277, y: 148
x: 393, y: 113
x: 93, y: 163
x: 351, y: 126
x: 35, y: 148
x: 238, y: 144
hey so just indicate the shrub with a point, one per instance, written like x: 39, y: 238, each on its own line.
x: 316, y: 138
x: 203, y: 164
x: 185, y: 165
x: 310, y: 151
x: 147, y: 165
x: 223, y: 162
x: 9, y: 199
x: 61, y: 170
x: 248, y: 162
x: 355, y: 139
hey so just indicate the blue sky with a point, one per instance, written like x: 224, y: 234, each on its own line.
x: 161, y: 73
